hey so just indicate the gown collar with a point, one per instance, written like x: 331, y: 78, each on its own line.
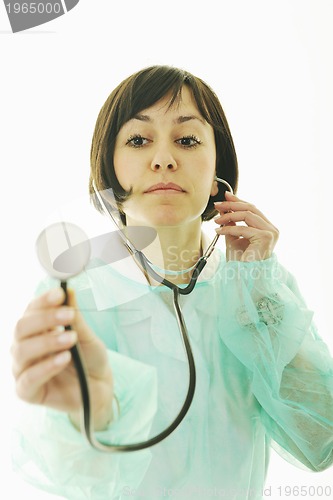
x: 129, y: 281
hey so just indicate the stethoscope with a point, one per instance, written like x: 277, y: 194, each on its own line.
x: 147, y: 267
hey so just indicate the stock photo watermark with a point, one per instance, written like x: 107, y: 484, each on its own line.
x: 236, y: 269
x: 275, y: 492
x: 25, y: 15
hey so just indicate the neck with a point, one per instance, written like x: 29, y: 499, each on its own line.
x: 175, y: 250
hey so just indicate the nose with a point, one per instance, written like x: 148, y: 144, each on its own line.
x: 163, y: 160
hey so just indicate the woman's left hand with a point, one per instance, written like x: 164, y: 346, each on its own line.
x: 254, y: 241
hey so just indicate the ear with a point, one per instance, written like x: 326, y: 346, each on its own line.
x: 215, y: 188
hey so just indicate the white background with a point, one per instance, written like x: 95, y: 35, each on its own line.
x: 270, y: 62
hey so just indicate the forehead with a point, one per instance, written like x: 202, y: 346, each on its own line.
x: 164, y: 108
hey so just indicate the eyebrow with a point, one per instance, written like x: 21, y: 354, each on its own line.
x: 179, y: 120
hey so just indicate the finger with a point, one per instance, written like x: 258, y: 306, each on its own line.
x: 37, y: 321
x: 231, y: 196
x: 234, y: 206
x: 53, y: 297
x: 230, y: 237
x: 251, y: 219
x: 30, y: 386
x: 250, y: 233
x: 238, y: 205
x: 28, y: 351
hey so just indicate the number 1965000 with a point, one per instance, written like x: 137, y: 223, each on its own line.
x: 34, y: 8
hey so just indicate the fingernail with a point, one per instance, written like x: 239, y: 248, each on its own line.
x: 65, y: 314
x: 55, y: 295
x: 62, y: 358
x: 67, y: 338
x: 218, y: 202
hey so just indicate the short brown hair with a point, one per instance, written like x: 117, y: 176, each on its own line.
x: 141, y: 91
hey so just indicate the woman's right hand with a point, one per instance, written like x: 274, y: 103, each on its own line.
x: 42, y: 365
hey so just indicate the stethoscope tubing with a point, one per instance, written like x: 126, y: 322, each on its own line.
x: 87, y: 422
x: 141, y: 260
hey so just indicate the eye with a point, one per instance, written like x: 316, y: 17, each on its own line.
x: 136, y: 141
x: 189, y: 141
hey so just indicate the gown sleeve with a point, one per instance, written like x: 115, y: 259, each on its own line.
x: 268, y: 327
x: 49, y: 453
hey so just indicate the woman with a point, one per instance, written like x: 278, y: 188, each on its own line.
x: 264, y: 377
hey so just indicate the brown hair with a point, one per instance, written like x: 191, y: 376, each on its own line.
x: 140, y: 91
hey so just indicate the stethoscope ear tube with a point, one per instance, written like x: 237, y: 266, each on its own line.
x: 223, y: 181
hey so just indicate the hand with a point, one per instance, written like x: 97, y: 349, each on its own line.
x: 255, y: 241
x: 42, y: 365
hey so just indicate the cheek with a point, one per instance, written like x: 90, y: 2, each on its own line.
x: 206, y: 170
x: 123, y: 168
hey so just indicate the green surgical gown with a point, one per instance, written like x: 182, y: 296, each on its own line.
x: 264, y: 379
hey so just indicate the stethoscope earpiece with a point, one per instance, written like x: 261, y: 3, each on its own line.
x: 218, y: 179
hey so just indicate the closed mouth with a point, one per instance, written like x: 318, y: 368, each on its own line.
x: 168, y: 188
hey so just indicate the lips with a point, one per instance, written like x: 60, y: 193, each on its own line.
x: 170, y: 186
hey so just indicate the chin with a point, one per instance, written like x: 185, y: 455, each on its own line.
x: 168, y: 216
x: 163, y: 216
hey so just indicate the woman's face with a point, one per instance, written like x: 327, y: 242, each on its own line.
x: 167, y: 156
